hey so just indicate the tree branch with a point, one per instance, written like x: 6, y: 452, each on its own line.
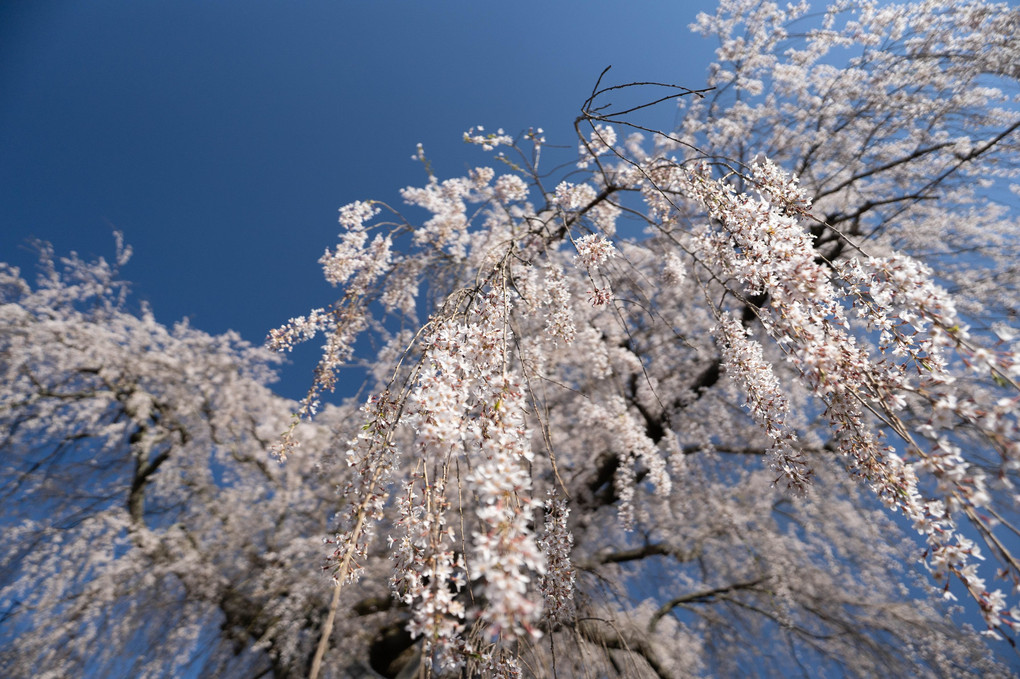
x: 703, y: 596
x: 592, y: 630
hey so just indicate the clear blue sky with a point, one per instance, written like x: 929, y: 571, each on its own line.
x: 221, y: 137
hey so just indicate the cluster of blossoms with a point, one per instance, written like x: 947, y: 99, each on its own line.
x: 765, y: 399
x: 488, y: 141
x: 762, y: 245
x: 557, y: 584
x: 559, y: 319
x: 594, y: 250
x: 297, y: 330
x: 762, y: 242
x: 354, y: 215
x: 510, y: 188
x: 599, y: 142
x: 351, y: 260
x: 635, y: 450
x: 572, y: 197
x: 351, y: 257
x: 897, y: 296
x: 504, y: 547
x: 504, y: 550
x: 428, y: 573
x: 674, y: 272
x: 358, y: 265
x: 371, y: 456
x: 466, y: 402
x: 447, y: 228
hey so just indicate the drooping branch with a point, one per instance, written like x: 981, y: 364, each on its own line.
x: 605, y: 557
x: 703, y: 596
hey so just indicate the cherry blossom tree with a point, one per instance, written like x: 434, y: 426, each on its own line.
x: 146, y: 530
x: 649, y: 409
x: 734, y: 398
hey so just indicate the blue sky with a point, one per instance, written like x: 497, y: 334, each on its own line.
x: 222, y: 137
